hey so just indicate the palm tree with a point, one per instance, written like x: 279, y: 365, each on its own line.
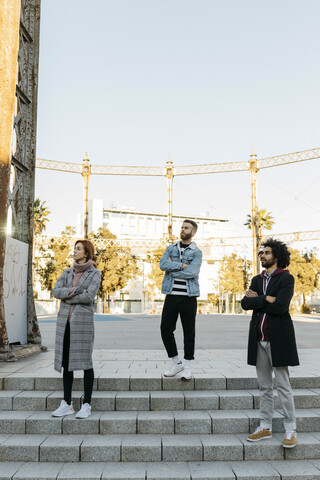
x: 265, y: 221
x: 41, y: 213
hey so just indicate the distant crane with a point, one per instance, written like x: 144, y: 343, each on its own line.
x: 169, y: 171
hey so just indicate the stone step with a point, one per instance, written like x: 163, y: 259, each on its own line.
x: 153, y: 448
x: 152, y: 400
x: 134, y: 382
x: 155, y: 422
x: 233, y: 470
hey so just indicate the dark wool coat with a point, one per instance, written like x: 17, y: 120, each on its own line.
x: 81, y: 321
x: 281, y: 331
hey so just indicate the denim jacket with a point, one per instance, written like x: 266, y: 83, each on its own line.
x: 192, y: 256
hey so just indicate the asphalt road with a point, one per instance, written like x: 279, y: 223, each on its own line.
x: 212, y: 331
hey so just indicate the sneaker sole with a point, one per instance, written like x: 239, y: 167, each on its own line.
x: 289, y: 446
x: 258, y: 439
x: 186, y: 379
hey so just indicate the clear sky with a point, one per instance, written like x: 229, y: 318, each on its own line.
x: 129, y: 81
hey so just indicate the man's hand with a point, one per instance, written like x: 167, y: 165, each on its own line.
x: 67, y: 301
x: 250, y: 293
x: 185, y: 265
x: 270, y: 299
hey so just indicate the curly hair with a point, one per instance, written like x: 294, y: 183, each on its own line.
x: 280, y: 251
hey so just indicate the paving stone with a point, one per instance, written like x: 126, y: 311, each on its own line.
x: 208, y: 382
x: 54, y: 399
x: 113, y: 383
x: 103, y: 401
x: 38, y: 471
x: 235, y: 400
x: 125, y: 471
x: 254, y: 470
x: 167, y: 401
x: 3, y: 437
x: 155, y: 422
x: 118, y: 422
x: 175, y: 383
x: 307, y: 420
x: 18, y: 382
x: 254, y: 420
x: 211, y: 471
x: 296, y: 470
x: 30, y: 400
x: 13, y: 422
x: 87, y: 471
x: 141, y: 384
x: 23, y: 448
x: 78, y: 426
x: 242, y: 383
x: 192, y: 422
x: 270, y: 449
x: 145, y: 448
x: 48, y: 383
x: 305, y: 382
x: 8, y: 469
x: 221, y: 447
x: 168, y: 471
x: 224, y: 421
x: 61, y: 448
x: 43, y: 422
x: 308, y: 446
x: 201, y: 400
x: 6, y: 397
x: 132, y: 401
x: 181, y: 448
x: 101, y: 448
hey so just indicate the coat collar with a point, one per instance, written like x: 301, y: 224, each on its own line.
x: 192, y: 245
x: 82, y: 278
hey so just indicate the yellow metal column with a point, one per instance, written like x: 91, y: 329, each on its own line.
x: 169, y: 176
x: 253, y: 168
x: 85, y: 175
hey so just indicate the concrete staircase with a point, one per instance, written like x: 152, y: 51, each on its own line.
x: 154, y: 428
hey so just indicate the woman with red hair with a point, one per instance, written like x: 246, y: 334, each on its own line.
x: 76, y: 288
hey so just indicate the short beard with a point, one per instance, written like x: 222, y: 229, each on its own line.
x: 186, y: 236
x: 267, y: 265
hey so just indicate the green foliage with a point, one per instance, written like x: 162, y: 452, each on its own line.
x: 155, y: 276
x: 233, y: 276
x: 56, y: 259
x: 117, y: 266
x: 265, y: 220
x: 40, y: 216
x: 305, y: 267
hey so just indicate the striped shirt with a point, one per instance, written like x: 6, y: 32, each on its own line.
x: 180, y: 285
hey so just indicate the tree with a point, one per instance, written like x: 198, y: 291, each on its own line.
x: 231, y: 276
x: 155, y: 276
x: 265, y: 221
x: 117, y: 266
x: 54, y: 260
x: 305, y: 267
x: 40, y: 218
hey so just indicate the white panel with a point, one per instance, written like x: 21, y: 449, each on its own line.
x: 15, y: 290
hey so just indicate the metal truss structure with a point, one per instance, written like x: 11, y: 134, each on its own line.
x: 22, y: 140
x: 147, y: 244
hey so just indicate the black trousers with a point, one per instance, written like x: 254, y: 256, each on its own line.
x: 187, y: 308
x: 88, y: 375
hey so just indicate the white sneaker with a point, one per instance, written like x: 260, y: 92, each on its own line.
x: 186, y: 374
x: 173, y: 370
x: 64, y: 409
x: 85, y: 411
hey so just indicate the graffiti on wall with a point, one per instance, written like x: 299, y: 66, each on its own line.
x: 15, y: 290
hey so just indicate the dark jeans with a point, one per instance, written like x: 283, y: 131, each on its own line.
x: 88, y: 375
x: 187, y: 308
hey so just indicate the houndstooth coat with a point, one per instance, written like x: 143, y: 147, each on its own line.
x: 81, y: 321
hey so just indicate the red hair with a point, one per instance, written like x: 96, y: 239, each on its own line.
x: 88, y: 248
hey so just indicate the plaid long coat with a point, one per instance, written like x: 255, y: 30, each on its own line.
x: 81, y: 321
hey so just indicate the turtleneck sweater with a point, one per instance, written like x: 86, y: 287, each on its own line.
x: 78, y: 270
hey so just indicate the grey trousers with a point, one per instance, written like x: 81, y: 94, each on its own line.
x: 264, y: 373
